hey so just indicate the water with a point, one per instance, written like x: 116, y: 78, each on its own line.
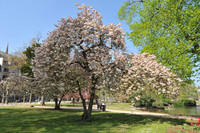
x: 186, y: 111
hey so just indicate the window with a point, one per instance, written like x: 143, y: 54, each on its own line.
x: 6, y: 70
x: 5, y: 62
x: 4, y: 76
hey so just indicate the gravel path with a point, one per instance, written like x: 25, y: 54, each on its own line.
x: 152, y: 114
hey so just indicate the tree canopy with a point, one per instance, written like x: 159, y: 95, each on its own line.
x: 168, y: 29
x: 92, y: 45
x: 145, y: 73
x: 84, y: 55
x: 30, y: 54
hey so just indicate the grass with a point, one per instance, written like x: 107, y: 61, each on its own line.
x: 15, y: 119
x: 66, y: 105
x: 121, y: 106
x: 114, y: 106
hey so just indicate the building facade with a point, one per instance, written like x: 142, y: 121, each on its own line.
x: 6, y: 65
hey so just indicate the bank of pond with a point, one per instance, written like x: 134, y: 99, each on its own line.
x: 186, y: 107
x: 182, y: 111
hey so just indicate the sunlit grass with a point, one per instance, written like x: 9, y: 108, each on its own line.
x: 66, y: 105
x: 121, y: 107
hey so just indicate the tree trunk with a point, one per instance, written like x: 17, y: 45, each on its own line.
x: 58, y: 102
x: 14, y: 98
x: 42, y: 101
x: 3, y: 98
x: 7, y: 96
x: 87, y: 113
x: 38, y: 98
x: 57, y: 107
x: 73, y: 101
x: 24, y: 98
x: 84, y: 115
x: 30, y: 97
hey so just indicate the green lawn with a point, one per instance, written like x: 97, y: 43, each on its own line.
x: 70, y: 105
x: 36, y: 120
x: 114, y: 106
x: 121, y: 106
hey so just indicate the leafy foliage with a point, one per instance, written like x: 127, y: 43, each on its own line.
x: 30, y: 54
x: 189, y: 103
x: 142, y: 99
x: 92, y: 45
x: 168, y: 29
x: 189, y: 91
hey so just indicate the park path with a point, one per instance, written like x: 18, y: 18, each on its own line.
x: 152, y: 114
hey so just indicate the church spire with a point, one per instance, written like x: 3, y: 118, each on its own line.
x: 7, y: 49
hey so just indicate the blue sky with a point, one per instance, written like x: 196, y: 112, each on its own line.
x: 21, y: 20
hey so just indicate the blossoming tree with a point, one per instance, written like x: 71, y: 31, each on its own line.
x: 84, y: 54
x: 91, y: 43
x: 7, y: 85
x: 144, y: 72
x: 49, y: 68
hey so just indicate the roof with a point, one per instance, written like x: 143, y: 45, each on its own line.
x: 2, y: 54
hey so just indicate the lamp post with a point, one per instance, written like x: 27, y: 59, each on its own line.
x: 103, y: 93
x: 104, y: 105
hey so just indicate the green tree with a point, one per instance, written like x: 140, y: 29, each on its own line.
x: 170, y: 29
x: 189, y: 91
x: 30, y: 54
x: 26, y: 67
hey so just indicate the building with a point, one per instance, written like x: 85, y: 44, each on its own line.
x: 6, y: 65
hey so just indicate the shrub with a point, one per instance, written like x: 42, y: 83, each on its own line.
x: 158, y: 104
x: 166, y: 101
x: 178, y: 104
x: 145, y: 99
x: 189, y: 103
x: 185, y: 102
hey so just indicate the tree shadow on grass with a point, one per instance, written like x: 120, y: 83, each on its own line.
x: 70, y: 105
x: 68, y: 120
x: 101, y: 122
